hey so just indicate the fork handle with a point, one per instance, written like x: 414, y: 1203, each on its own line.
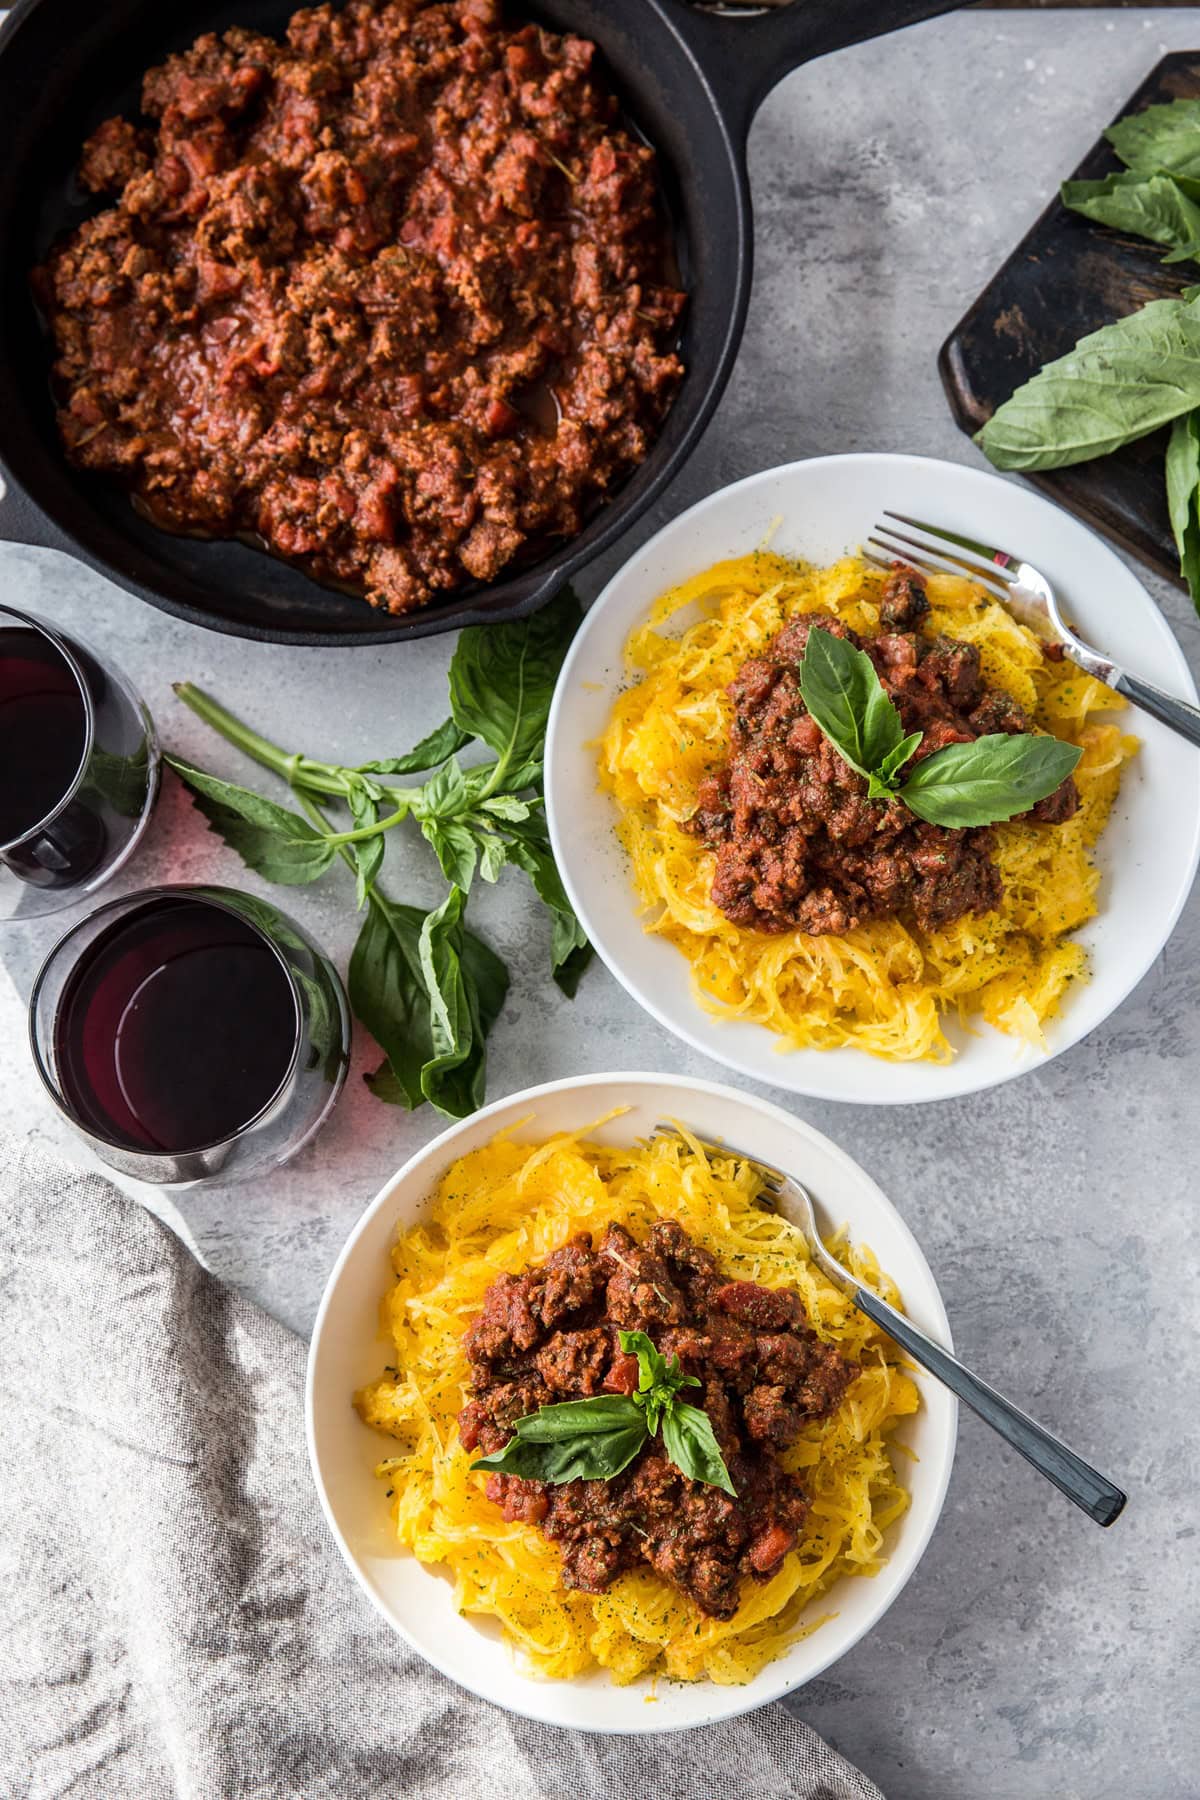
x: 1178, y: 714
x: 1076, y: 1479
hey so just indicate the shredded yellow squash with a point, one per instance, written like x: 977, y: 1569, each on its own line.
x: 885, y: 986
x: 507, y: 1206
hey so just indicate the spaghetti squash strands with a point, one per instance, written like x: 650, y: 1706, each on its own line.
x: 886, y: 986
x: 508, y: 1205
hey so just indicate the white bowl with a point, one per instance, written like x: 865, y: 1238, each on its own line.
x: 348, y: 1350
x: 825, y: 508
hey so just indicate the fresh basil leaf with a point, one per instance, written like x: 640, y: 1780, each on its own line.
x: 456, y: 848
x: 570, y: 953
x: 493, y: 854
x: 447, y: 739
x: 528, y: 844
x: 445, y: 793
x: 1163, y: 137
x: 529, y: 774
x: 368, y: 855
x: 652, y: 1367
x: 467, y: 985
x: 1148, y: 206
x: 502, y: 679
x: 842, y: 690
x: 506, y: 806
x: 691, y: 1444
x: 1183, y: 497
x: 1117, y: 384
x: 387, y: 1086
x: 275, y: 843
x: 451, y: 1024
x: 387, y: 992
x: 895, y: 759
x: 659, y: 1381
x: 580, y: 1440
x: 988, y: 781
x: 574, y: 1418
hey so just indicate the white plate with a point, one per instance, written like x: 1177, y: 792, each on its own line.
x: 348, y: 1350
x: 824, y: 509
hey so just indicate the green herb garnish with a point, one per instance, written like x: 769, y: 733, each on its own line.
x: 593, y: 1440
x: 981, y: 783
x: 1163, y: 137
x: 1156, y: 206
x: 1117, y: 384
x: 1183, y: 496
x: 1124, y: 381
x: 428, y: 989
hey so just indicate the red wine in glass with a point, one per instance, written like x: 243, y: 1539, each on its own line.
x: 78, y: 767
x: 43, y: 729
x: 188, y: 1031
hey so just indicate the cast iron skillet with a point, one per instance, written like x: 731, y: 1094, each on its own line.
x: 691, y: 81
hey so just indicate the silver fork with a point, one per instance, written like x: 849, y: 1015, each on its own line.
x: 1028, y: 595
x: 1070, y: 1474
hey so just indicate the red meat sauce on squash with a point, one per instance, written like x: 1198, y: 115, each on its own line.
x: 798, y: 843
x: 551, y: 1335
x: 393, y: 297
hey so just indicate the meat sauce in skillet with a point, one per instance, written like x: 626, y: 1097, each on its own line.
x: 394, y: 297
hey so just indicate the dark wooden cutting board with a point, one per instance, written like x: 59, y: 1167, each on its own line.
x: 1069, y: 277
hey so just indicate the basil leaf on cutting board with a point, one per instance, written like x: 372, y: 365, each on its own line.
x: 1117, y: 384
x: 1165, y: 137
x: 1149, y: 206
x: 1183, y: 495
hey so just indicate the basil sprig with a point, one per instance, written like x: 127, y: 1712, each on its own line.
x: 427, y: 988
x: 593, y: 1440
x: 848, y: 701
x: 981, y: 783
x: 1140, y: 372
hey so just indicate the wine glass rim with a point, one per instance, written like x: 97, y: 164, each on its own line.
x: 210, y: 896
x: 58, y: 643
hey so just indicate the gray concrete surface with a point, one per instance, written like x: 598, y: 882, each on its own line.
x: 1031, y: 1656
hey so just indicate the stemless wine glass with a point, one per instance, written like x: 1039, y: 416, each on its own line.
x: 191, y: 1032
x: 79, y: 767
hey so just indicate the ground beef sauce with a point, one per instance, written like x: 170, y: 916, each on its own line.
x: 550, y: 1335
x: 393, y: 297
x: 798, y: 842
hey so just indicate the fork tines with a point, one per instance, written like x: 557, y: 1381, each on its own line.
x: 940, y: 552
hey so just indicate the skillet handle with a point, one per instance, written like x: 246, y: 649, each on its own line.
x: 744, y: 58
x: 20, y: 520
